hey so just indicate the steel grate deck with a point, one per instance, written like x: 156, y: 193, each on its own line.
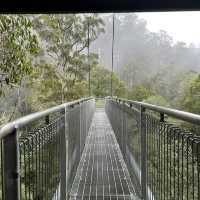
x: 102, y: 173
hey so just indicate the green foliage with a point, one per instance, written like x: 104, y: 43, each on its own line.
x: 139, y: 93
x: 52, y: 74
x: 79, y: 90
x: 100, y: 103
x: 157, y: 100
x: 66, y: 38
x: 17, y: 45
x: 45, y: 86
x: 191, y: 101
x: 166, y: 154
x: 172, y: 86
x: 101, y: 83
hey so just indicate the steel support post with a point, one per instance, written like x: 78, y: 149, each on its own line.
x: 81, y: 134
x: 11, y: 174
x: 124, y: 130
x: 143, y: 153
x: 64, y: 157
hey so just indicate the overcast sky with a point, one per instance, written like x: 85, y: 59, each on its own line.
x: 182, y: 26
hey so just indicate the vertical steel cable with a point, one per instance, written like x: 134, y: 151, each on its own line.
x: 113, y: 39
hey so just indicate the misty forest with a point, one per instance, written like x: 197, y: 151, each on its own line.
x: 44, y: 62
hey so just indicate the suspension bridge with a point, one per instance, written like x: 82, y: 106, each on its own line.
x: 124, y: 150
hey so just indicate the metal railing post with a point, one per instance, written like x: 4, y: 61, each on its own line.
x: 67, y: 149
x: 47, y: 119
x: 124, y: 130
x: 143, y: 154
x: 162, y: 117
x: 11, y: 167
x: 63, y: 157
x: 80, y: 127
x: 79, y: 131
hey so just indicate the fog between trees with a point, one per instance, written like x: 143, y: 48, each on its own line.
x: 44, y: 62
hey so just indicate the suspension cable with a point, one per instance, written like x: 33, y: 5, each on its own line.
x: 113, y: 39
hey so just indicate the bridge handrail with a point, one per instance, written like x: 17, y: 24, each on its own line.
x: 178, y: 114
x: 23, y: 121
x: 167, y: 153
x: 40, y: 144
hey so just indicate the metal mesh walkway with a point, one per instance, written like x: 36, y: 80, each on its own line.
x: 102, y: 173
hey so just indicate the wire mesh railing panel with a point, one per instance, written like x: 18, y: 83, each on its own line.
x: 134, y: 138
x: 173, y: 161
x: 79, y: 122
x: 86, y: 113
x: 40, y: 161
x: 165, y: 157
x: 125, y: 123
x: 39, y: 151
x: 74, y: 144
x: 83, y: 126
